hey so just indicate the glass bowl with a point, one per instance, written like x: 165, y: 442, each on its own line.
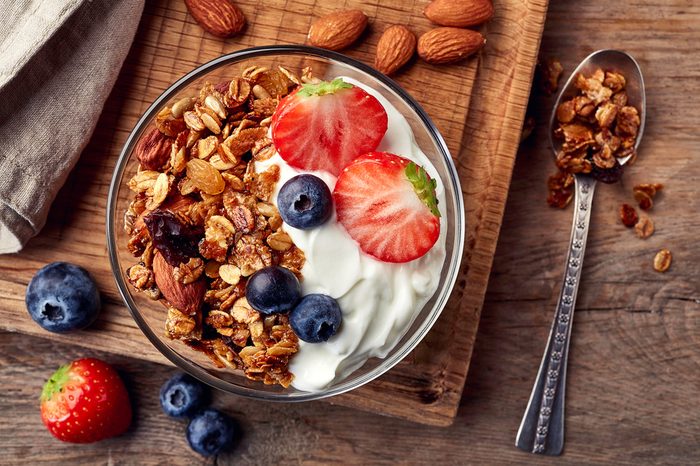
x: 150, y: 315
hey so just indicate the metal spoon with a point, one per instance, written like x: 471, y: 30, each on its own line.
x: 542, y: 428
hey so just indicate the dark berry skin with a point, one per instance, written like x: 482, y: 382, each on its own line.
x: 210, y: 432
x: 305, y: 202
x: 610, y: 175
x: 62, y: 297
x: 183, y: 395
x: 273, y: 290
x: 316, y: 318
x: 176, y: 241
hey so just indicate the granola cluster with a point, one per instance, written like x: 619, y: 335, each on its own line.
x: 201, y: 222
x: 642, y: 223
x: 597, y: 127
x: 549, y: 71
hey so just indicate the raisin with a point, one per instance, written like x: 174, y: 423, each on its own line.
x: 205, y: 177
x: 609, y: 175
x: 176, y: 241
x: 628, y: 215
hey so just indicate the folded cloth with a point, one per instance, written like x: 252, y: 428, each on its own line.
x: 58, y: 62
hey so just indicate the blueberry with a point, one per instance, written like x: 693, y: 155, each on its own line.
x: 273, y: 290
x: 210, y: 432
x: 62, y: 297
x: 183, y: 395
x: 316, y: 318
x: 305, y: 202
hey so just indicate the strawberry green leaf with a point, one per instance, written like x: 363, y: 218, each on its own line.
x: 323, y: 88
x: 56, y: 382
x: 424, y: 186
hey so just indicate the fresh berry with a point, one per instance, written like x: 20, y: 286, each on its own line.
x: 84, y: 402
x: 325, y: 126
x: 388, y: 205
x: 316, y: 318
x: 305, y: 202
x: 62, y: 297
x: 273, y: 290
x: 183, y: 395
x: 210, y: 432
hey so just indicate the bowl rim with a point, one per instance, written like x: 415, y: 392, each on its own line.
x: 344, y: 386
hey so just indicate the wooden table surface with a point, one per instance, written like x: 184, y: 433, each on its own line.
x: 634, y: 368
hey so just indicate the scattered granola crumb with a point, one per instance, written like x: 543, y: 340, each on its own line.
x: 550, y: 70
x: 644, y: 194
x: 662, y: 260
x: 643, y: 199
x: 528, y: 127
x: 644, y: 227
x: 628, y: 215
x: 561, y: 189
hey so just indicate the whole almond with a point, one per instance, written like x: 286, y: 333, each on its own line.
x: 396, y: 46
x: 153, y: 149
x: 459, y: 13
x: 185, y: 298
x: 337, y: 30
x: 218, y: 17
x: 448, y: 45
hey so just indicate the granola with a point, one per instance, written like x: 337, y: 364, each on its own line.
x: 644, y: 227
x: 644, y: 194
x: 549, y: 71
x: 200, y: 205
x: 596, y: 128
x: 628, y: 215
x: 662, y: 260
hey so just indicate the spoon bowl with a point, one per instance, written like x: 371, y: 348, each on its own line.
x: 607, y: 60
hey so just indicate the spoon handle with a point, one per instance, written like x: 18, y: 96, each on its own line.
x: 542, y: 428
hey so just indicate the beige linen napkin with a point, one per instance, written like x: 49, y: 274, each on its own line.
x: 58, y: 62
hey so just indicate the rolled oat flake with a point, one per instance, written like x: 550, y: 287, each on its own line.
x: 662, y: 260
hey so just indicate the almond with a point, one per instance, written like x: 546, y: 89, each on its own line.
x: 459, y: 13
x: 218, y: 17
x: 396, y: 46
x: 448, y: 45
x: 337, y: 30
x: 178, y: 204
x: 186, y: 298
x: 153, y: 150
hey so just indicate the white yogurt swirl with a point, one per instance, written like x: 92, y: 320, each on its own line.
x: 379, y: 300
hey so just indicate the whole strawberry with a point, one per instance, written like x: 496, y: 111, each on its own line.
x: 85, y: 401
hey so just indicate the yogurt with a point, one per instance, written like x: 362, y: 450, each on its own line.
x: 379, y: 300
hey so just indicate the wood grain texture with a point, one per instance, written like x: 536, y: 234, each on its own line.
x: 427, y: 386
x: 632, y: 386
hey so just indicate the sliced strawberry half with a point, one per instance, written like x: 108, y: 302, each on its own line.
x: 325, y: 126
x: 388, y: 205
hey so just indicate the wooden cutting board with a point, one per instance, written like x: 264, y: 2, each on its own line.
x: 478, y: 106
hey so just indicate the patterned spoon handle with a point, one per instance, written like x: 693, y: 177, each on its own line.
x: 542, y: 428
